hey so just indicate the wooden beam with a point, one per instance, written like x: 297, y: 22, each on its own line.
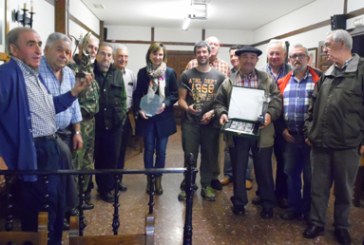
x: 60, y: 15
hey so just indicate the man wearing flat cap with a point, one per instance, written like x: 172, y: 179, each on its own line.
x: 261, y: 147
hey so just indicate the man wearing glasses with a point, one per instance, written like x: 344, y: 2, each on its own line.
x: 296, y: 89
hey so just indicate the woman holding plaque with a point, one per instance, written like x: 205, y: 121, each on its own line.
x: 153, y: 100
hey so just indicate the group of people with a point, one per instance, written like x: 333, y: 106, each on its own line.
x: 78, y: 112
x: 314, y: 123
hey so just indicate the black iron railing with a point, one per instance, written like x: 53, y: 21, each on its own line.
x: 189, y: 174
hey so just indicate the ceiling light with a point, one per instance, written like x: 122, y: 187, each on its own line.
x: 98, y: 6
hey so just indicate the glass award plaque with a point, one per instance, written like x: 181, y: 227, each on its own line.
x: 150, y: 104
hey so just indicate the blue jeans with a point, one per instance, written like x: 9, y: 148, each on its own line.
x: 154, y: 143
x: 297, y: 161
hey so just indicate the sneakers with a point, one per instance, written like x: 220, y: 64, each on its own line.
x: 208, y: 193
x: 215, y: 183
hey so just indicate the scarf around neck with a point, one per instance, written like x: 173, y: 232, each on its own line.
x: 157, y: 79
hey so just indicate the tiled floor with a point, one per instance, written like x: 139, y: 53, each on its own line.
x: 213, y: 222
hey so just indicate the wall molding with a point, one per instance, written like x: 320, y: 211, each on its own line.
x: 352, y: 14
x: 80, y: 23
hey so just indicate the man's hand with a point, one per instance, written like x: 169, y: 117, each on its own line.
x: 223, y: 119
x: 77, y: 142
x: 287, y: 136
x: 82, y: 84
x: 206, y: 117
x: 3, y: 166
x: 191, y: 109
x: 361, y: 150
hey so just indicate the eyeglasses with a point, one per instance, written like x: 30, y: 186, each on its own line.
x: 299, y: 56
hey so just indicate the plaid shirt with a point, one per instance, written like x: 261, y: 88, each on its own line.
x: 296, y: 98
x: 249, y: 81
x: 41, y: 105
x: 72, y: 114
x: 218, y: 64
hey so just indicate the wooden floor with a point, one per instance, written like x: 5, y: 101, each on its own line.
x: 213, y: 222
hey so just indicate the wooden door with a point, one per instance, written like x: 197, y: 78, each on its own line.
x: 178, y: 60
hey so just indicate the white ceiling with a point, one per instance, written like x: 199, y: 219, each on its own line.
x: 222, y: 14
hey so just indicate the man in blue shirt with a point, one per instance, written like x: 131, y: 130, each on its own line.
x: 58, y: 79
x: 28, y: 127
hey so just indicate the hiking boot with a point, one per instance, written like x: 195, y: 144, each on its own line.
x: 208, y: 193
x: 182, y: 196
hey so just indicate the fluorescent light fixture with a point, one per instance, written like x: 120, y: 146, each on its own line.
x: 98, y: 6
x: 186, y: 23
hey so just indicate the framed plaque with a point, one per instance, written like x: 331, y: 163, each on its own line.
x: 247, y: 110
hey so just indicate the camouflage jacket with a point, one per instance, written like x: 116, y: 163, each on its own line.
x: 88, y: 99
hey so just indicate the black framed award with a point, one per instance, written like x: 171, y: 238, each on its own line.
x: 246, y: 112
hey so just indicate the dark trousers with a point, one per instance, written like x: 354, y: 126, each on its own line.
x: 332, y: 166
x: 297, y: 162
x: 107, y: 153
x: 281, y: 189
x: 263, y: 170
x: 202, y: 138
x: 65, y: 144
x: 124, y: 143
x: 33, y: 193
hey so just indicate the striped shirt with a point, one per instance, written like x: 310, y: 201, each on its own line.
x: 218, y: 64
x: 42, y: 111
x: 72, y: 114
x: 296, y: 98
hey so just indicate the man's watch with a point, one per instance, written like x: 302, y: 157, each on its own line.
x: 77, y: 132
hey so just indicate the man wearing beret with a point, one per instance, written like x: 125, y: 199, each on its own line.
x: 261, y: 147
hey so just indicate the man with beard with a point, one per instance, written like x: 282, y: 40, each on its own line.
x: 296, y: 88
x: 223, y: 67
x: 109, y: 120
x: 335, y: 128
x: 83, y: 159
x: 261, y: 147
x: 196, y: 94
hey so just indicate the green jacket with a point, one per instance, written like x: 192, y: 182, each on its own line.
x: 265, y: 82
x: 112, y: 100
x: 335, y: 118
x: 88, y: 99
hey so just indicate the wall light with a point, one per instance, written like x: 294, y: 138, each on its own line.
x: 186, y: 23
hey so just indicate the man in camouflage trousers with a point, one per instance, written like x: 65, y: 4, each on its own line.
x: 83, y: 159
